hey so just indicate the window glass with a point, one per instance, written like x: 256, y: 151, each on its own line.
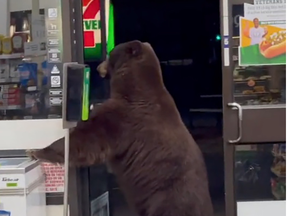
x: 31, y: 60
x: 259, y: 52
x: 260, y: 172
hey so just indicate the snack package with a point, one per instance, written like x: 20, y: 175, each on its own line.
x: 273, y: 45
x: 28, y: 74
x: 29, y: 100
x: 279, y: 150
x: 14, y: 72
x: 24, y: 74
x: 33, y: 74
x: 13, y: 95
x: 283, y: 149
x: 278, y: 187
x: 1, y: 46
x: 3, y: 101
x: 31, y: 103
x: 4, y: 70
x: 279, y: 167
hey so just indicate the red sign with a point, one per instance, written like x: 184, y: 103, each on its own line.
x: 91, y: 8
x: 54, y: 177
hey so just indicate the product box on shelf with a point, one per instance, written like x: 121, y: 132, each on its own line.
x: 4, y: 70
x: 11, y: 93
x: 13, y: 69
x: 22, y: 191
x: 10, y: 96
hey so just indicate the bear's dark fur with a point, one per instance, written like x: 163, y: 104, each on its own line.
x: 139, y: 132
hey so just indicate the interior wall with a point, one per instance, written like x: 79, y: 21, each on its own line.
x: 54, y: 210
x: 31, y: 134
x: 4, y: 17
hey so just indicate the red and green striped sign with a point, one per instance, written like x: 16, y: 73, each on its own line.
x: 92, y: 28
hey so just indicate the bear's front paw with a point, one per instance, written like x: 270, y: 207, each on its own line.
x: 39, y: 154
x: 102, y: 69
x: 31, y: 153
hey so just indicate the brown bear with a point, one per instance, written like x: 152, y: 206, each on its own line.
x: 139, y: 132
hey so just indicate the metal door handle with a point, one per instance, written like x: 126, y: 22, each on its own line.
x: 240, y: 118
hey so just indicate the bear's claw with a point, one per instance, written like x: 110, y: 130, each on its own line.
x: 31, y: 154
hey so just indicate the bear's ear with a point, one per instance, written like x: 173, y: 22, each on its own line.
x: 134, y: 48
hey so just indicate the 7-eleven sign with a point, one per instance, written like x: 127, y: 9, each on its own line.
x: 92, y: 28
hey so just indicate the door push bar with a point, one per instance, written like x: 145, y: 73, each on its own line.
x: 240, y: 118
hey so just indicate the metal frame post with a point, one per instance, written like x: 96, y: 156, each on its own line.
x: 78, y: 177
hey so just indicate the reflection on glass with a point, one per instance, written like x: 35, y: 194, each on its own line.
x: 260, y: 85
x: 260, y: 172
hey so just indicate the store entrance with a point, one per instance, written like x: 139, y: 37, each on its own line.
x: 185, y: 38
x: 186, y: 44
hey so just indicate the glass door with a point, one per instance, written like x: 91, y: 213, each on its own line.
x: 254, y: 74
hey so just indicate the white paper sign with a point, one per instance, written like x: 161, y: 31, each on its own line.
x: 54, y: 178
x: 38, y: 28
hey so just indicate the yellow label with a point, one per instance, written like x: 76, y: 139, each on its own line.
x: 1, y: 38
x: 7, y: 45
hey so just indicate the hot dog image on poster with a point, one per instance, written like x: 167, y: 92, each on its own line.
x: 263, y: 33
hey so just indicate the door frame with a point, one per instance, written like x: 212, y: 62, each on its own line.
x: 260, y: 123
x: 79, y: 178
x: 78, y: 186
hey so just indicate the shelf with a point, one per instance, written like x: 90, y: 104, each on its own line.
x: 245, y: 81
x: 9, y: 81
x: 255, y: 94
x: 12, y: 56
x: 258, y: 94
x: 39, y: 54
x: 21, y: 55
x: 12, y: 107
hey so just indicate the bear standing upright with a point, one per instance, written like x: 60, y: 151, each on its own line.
x: 140, y: 134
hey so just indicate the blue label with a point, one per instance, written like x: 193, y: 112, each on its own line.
x: 226, y: 41
x: 28, y: 71
x: 4, y: 213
